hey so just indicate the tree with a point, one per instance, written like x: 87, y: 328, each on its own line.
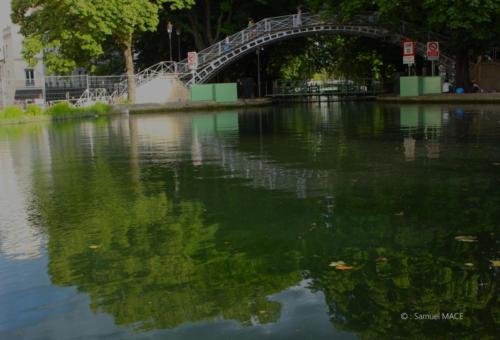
x: 471, y: 26
x: 209, y: 21
x: 72, y: 32
x: 206, y: 23
x: 335, y: 56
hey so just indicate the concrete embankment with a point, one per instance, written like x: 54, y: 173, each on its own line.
x: 49, y: 118
x: 470, y: 98
x: 143, y: 108
x: 192, y: 106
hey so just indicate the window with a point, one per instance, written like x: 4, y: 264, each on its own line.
x: 30, y: 77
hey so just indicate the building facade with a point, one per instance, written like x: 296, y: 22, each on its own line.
x: 19, y: 81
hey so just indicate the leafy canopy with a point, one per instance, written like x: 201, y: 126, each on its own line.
x: 72, y: 32
x: 470, y: 24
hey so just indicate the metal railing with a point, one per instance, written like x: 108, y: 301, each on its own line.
x: 265, y: 31
x: 335, y: 87
x: 93, y: 96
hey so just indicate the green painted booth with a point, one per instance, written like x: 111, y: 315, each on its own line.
x: 227, y: 92
x: 201, y: 92
x: 432, y: 85
x: 221, y: 92
x: 410, y: 86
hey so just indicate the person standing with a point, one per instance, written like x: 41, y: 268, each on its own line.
x: 446, y: 86
x: 251, y: 25
x: 226, y: 45
x: 298, y: 17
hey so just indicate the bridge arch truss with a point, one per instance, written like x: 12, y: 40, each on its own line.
x: 271, y: 30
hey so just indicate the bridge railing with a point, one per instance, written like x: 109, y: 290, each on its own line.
x: 287, y: 22
x: 263, y: 26
x: 267, y: 26
x: 291, y: 88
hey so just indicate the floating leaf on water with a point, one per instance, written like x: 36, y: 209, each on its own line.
x: 401, y: 213
x: 93, y: 246
x: 381, y: 259
x: 262, y: 312
x: 466, y: 238
x: 496, y: 164
x: 342, y: 267
x: 468, y: 264
x: 337, y: 263
x: 495, y: 263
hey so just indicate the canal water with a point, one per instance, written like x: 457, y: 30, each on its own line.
x: 343, y: 221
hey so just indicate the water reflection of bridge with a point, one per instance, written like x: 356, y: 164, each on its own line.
x: 262, y: 173
x: 211, y: 137
x: 213, y: 140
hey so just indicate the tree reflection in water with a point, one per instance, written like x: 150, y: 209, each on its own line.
x: 157, y: 255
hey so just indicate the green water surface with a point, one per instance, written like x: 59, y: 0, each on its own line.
x: 224, y: 225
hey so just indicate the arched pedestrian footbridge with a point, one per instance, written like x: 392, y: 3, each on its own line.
x: 270, y: 30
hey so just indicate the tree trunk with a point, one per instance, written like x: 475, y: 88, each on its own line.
x: 462, y: 75
x: 129, y: 64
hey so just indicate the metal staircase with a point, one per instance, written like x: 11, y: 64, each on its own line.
x: 270, y: 30
x: 93, y: 96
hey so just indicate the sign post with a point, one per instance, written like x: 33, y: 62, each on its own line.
x: 193, y: 64
x: 433, y: 53
x: 408, y: 54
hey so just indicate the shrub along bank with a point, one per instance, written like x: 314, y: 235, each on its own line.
x: 13, y: 114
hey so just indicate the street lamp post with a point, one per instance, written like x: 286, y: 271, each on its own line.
x: 170, y: 27
x: 178, y: 32
x: 258, y: 73
x: 2, y: 77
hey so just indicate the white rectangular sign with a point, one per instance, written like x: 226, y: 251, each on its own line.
x: 408, y: 59
x: 408, y: 48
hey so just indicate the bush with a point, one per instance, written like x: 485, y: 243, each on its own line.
x: 62, y: 108
x: 98, y: 108
x: 33, y: 110
x: 59, y: 109
x: 11, y: 112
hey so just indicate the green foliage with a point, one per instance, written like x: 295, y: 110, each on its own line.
x: 337, y: 57
x: 205, y: 23
x: 74, y: 33
x: 471, y: 27
x: 64, y: 108
x: 59, y: 109
x: 33, y: 110
x: 11, y: 112
x: 100, y: 108
x: 210, y: 21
